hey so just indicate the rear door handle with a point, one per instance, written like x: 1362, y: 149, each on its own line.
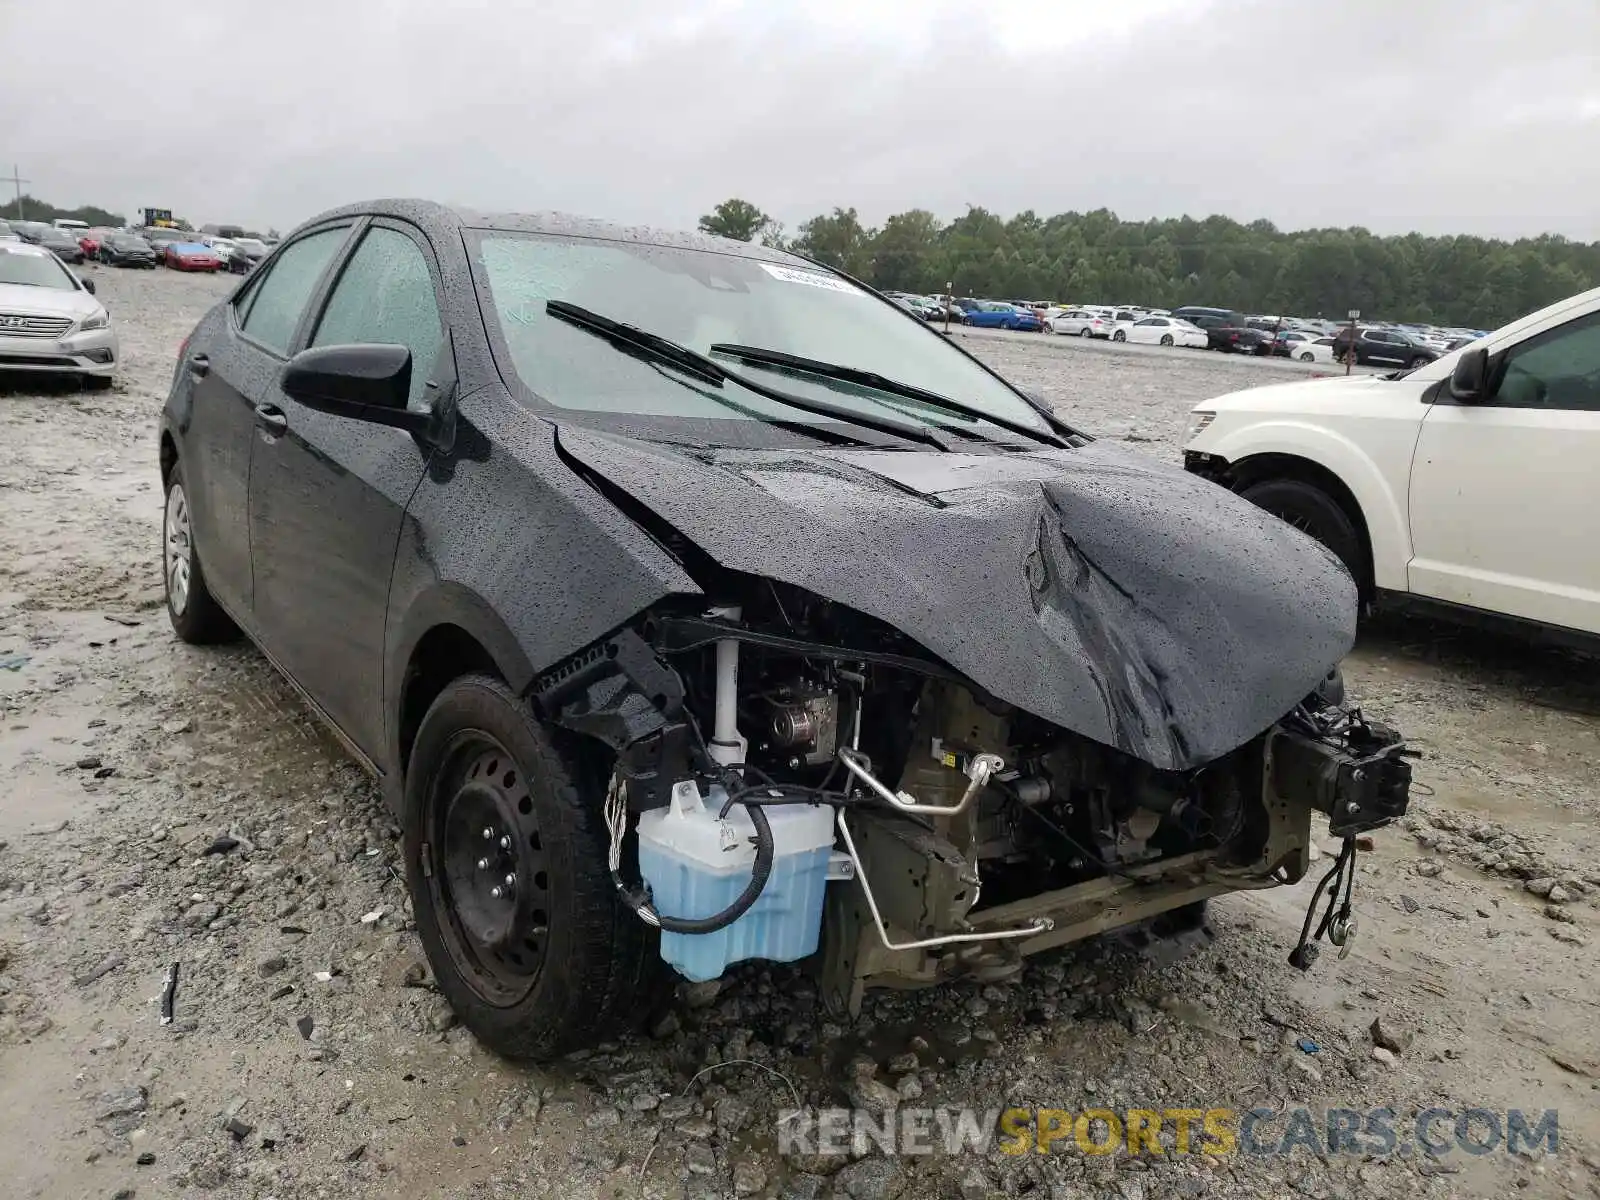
x: 199, y: 364
x: 272, y: 419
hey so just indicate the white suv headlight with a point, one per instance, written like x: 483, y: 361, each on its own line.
x: 1198, y: 422
x: 96, y: 320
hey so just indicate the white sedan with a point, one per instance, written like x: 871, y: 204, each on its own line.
x: 1081, y: 322
x: 1164, y: 331
x: 1312, y: 350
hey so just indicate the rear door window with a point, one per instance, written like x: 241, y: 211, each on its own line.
x: 274, y: 306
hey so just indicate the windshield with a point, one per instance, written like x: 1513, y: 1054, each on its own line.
x: 698, y: 298
x: 128, y: 243
x: 34, y: 270
x: 250, y: 244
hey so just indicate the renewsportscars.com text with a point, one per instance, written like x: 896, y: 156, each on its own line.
x: 1154, y: 1132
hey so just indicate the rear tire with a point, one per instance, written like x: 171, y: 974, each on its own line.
x: 1316, y: 514
x: 1419, y: 362
x: 1166, y: 339
x: 1120, y: 335
x: 1085, y: 332
x: 1308, y: 357
x: 196, y: 617
x: 556, y: 962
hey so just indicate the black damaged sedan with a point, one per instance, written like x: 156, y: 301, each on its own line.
x: 694, y: 603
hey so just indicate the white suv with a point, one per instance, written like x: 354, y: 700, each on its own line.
x: 1472, y: 482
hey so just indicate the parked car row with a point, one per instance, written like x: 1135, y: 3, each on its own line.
x: 1305, y: 339
x: 140, y: 246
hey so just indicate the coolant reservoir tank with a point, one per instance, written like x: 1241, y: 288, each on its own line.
x: 697, y: 864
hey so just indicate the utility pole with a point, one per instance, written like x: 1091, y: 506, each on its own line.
x: 17, y: 181
x: 1350, y: 354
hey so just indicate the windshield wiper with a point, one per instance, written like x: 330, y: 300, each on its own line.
x: 641, y: 343
x: 882, y: 383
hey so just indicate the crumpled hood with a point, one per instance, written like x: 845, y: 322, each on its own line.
x: 1107, y: 593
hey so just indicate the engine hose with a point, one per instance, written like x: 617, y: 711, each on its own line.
x: 759, y: 874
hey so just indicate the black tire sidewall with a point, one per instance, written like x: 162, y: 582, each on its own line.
x: 594, y: 943
x: 1324, y: 520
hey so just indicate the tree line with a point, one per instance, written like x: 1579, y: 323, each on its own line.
x: 30, y: 208
x: 1095, y: 257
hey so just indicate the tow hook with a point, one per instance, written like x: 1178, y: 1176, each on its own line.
x: 1342, y: 933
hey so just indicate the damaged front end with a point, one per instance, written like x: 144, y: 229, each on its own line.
x: 796, y: 779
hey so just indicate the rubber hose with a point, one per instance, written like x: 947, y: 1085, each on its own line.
x: 752, y: 892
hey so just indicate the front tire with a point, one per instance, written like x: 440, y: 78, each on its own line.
x: 1308, y: 357
x: 535, y: 952
x: 1120, y: 335
x: 196, y: 616
x: 1166, y: 339
x: 1085, y: 332
x: 1315, y: 513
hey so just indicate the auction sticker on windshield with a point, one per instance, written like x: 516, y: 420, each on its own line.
x: 814, y: 278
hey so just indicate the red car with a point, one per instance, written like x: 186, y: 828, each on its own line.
x: 192, y: 256
x: 89, y: 243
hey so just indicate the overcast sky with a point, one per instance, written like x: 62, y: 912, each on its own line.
x: 1479, y: 117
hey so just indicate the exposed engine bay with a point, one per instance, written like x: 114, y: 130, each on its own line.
x: 954, y: 832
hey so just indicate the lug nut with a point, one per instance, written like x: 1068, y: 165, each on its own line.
x: 495, y: 892
x: 483, y: 864
x: 505, y: 843
x: 511, y: 881
x: 488, y: 834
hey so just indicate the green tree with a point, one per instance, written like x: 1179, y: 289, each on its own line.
x: 1255, y: 267
x: 837, y: 240
x: 902, y: 251
x: 736, y: 219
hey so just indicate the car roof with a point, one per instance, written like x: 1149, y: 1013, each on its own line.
x: 431, y: 215
x: 26, y: 248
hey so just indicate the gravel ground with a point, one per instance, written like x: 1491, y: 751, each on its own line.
x: 170, y: 805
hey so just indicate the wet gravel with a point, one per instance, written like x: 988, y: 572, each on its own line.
x: 171, y: 806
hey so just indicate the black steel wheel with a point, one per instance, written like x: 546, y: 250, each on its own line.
x: 506, y: 861
x: 487, y: 872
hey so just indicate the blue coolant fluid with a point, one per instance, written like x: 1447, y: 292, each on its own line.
x: 697, y: 864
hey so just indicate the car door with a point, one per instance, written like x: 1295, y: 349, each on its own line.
x: 226, y: 370
x: 1505, y: 494
x: 1383, y: 347
x: 327, y: 493
x: 1148, y: 330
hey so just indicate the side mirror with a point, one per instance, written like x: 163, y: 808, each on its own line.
x: 367, y: 382
x: 88, y: 284
x: 1470, y: 379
